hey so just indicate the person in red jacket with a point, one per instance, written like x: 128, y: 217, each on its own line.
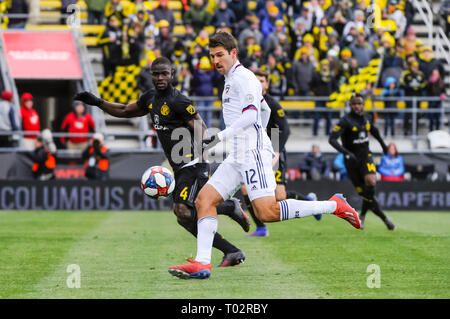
x: 77, y: 122
x: 30, y: 121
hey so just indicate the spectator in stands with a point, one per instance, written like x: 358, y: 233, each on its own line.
x: 18, y: 7
x: 435, y: 88
x: 223, y: 14
x: 136, y: 43
x: 339, y: 167
x: 411, y: 41
x: 184, y: 77
x: 362, y: 51
x: 305, y: 19
x: 316, y: 12
x: 413, y: 82
x: 339, y: 13
x: 43, y: 159
x: 392, y: 167
x: 297, y: 36
x: 30, y: 121
x: 332, y: 43
x: 241, y: 11
x: 268, y: 24
x: 278, y: 80
x: 273, y: 38
x: 344, y: 66
x: 163, y: 12
x: 391, y: 90
x: 262, y: 8
x: 359, y: 22
x: 96, y: 11
x: 144, y: 78
x: 314, y: 165
x: 111, y: 40
x: 164, y: 38
x: 303, y: 71
x: 78, y: 122
x: 428, y: 63
x: 202, y: 85
x: 67, y: 8
x: 7, y: 119
x: 313, y: 53
x: 116, y: 9
x: 322, y: 85
x: 253, y: 30
x: 395, y: 14
x: 349, y: 38
x: 392, y: 65
x: 197, y: 16
x: 96, y: 162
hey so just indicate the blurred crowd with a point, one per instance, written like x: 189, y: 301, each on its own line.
x: 309, y: 48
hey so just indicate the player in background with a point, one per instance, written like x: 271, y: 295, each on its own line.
x: 354, y: 129
x: 279, y: 123
x: 249, y: 161
x: 171, y: 110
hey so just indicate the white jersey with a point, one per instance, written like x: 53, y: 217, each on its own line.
x: 242, y: 92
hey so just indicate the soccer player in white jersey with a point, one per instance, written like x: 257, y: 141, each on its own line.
x: 249, y: 161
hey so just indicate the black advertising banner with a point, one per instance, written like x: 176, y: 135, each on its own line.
x: 127, y: 195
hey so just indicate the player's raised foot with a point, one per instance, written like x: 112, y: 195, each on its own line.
x: 239, y: 216
x: 313, y: 197
x: 345, y: 211
x: 233, y: 259
x: 389, y: 224
x: 192, y: 270
x: 260, y: 232
x: 362, y: 218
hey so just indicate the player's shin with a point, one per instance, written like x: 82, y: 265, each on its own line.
x: 207, y: 228
x: 291, y: 208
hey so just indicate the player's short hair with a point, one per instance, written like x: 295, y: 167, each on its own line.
x: 355, y: 96
x: 263, y: 73
x: 162, y: 60
x: 223, y: 39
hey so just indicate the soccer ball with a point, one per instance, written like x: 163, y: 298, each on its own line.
x: 157, y: 182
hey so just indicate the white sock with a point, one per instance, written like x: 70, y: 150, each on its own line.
x: 206, y: 229
x: 292, y: 208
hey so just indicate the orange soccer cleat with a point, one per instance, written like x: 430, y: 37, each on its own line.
x: 193, y: 270
x: 345, y: 211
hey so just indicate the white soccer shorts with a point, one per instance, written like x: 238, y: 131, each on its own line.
x: 255, y: 171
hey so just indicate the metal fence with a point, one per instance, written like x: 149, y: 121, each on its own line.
x: 297, y: 116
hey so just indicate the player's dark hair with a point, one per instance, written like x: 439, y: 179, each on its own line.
x: 355, y: 96
x: 223, y: 39
x: 263, y: 73
x: 162, y: 60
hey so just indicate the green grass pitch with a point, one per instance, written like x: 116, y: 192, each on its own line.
x: 127, y: 254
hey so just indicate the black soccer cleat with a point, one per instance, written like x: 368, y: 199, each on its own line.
x: 389, y: 224
x: 233, y: 259
x: 239, y: 216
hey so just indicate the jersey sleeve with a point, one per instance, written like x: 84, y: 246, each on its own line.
x: 145, y: 99
x: 250, y: 94
x: 185, y: 108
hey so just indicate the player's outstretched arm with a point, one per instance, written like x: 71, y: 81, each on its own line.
x: 376, y: 133
x: 114, y: 109
x: 333, y: 140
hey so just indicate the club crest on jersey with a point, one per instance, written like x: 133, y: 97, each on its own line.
x: 227, y: 88
x: 165, y: 110
x: 249, y: 98
x: 368, y: 126
x: 150, y: 106
x: 280, y: 113
x: 191, y: 109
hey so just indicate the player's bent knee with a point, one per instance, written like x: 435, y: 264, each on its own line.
x: 183, y: 212
x: 268, y: 212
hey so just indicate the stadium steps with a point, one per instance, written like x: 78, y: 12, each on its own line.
x: 121, y: 126
x: 422, y: 34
